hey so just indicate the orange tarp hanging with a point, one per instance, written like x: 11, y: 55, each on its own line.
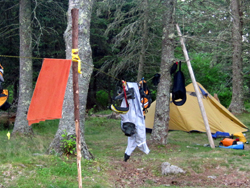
x: 48, y: 96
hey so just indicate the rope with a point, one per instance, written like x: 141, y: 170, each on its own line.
x: 11, y: 56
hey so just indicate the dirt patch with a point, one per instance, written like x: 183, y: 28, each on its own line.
x: 132, y: 174
x: 139, y: 173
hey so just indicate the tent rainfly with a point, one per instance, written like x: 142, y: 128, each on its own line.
x: 188, y: 116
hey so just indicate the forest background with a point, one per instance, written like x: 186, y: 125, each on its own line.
x: 115, y: 36
x: 123, y: 34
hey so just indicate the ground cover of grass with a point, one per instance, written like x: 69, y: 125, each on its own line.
x: 24, y: 162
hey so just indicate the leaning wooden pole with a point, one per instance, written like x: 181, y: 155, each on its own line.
x: 74, y: 14
x: 203, y: 112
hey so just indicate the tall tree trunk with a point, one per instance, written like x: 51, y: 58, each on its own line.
x: 85, y: 54
x: 237, y: 103
x: 161, y: 122
x: 144, y: 39
x: 25, y: 80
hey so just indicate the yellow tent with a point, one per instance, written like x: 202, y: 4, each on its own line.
x: 188, y: 116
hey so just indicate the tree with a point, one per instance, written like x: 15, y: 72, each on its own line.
x: 161, y: 122
x: 48, y: 24
x: 135, y: 34
x: 25, y: 81
x: 143, y: 41
x: 67, y: 122
x: 237, y: 103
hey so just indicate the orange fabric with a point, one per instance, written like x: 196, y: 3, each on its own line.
x: 47, y: 99
x: 4, y: 98
x: 228, y: 142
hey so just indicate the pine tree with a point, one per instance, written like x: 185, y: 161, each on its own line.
x: 25, y: 80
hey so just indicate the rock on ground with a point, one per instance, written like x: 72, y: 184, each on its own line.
x: 167, y: 168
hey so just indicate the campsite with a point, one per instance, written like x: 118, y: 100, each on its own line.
x: 124, y: 93
x: 26, y: 164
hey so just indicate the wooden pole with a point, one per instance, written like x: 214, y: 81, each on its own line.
x: 203, y: 112
x: 74, y: 14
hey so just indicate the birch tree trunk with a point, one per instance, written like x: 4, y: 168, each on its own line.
x: 237, y: 103
x: 85, y: 54
x: 25, y: 79
x: 161, y: 122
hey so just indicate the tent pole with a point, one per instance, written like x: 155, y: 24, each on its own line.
x: 203, y: 112
x: 74, y: 15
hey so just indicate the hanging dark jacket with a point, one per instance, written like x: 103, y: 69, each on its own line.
x: 179, y: 90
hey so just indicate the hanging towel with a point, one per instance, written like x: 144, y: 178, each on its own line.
x: 47, y: 99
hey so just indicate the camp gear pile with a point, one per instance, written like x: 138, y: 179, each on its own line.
x: 236, y: 141
x: 228, y: 142
x: 219, y: 134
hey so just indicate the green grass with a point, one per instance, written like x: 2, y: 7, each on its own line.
x: 24, y: 162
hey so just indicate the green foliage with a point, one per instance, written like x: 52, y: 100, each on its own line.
x: 68, y: 144
x: 153, y: 94
x: 91, y: 111
x: 212, y: 77
x: 247, y: 106
x: 225, y: 97
x: 205, y: 73
x: 102, y: 98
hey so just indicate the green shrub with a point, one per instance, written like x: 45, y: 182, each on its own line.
x: 212, y: 77
x: 225, y: 97
x: 102, y: 99
x: 68, y: 144
x: 247, y: 106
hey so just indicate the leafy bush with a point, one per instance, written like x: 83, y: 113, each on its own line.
x: 102, y: 99
x: 68, y: 144
x: 225, y: 98
x: 213, y: 78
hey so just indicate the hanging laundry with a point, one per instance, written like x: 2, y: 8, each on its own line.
x: 48, y: 96
x: 133, y: 124
x: 179, y: 91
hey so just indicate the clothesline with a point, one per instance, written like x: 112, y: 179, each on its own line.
x: 99, y: 70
